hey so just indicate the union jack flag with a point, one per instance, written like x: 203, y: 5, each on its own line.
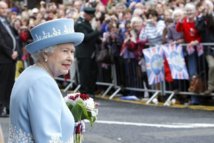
x: 154, y: 64
x: 175, y: 58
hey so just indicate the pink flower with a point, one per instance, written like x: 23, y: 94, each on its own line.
x: 72, y: 97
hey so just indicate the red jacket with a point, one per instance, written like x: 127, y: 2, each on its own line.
x: 189, y: 30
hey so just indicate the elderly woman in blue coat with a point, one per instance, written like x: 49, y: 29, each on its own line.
x: 38, y: 113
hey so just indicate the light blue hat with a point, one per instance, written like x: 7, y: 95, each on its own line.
x: 54, y: 32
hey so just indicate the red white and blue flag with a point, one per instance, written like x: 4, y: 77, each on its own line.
x: 175, y: 58
x: 154, y: 64
x: 199, y: 49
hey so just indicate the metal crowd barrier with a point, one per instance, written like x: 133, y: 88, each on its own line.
x: 130, y: 78
x: 134, y: 85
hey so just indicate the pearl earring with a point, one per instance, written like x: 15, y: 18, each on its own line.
x: 46, y: 59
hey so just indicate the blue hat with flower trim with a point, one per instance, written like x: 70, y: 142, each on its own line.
x: 54, y: 32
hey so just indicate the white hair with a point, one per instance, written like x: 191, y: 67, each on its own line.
x: 38, y: 56
x: 177, y: 11
x: 209, y: 4
x: 136, y: 19
x: 190, y: 6
x: 137, y: 12
x: 3, y: 3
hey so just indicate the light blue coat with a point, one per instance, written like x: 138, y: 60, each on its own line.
x: 38, y: 113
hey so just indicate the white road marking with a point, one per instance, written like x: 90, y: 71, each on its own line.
x: 162, y: 125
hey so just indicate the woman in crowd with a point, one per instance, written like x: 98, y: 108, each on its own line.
x: 132, y: 52
x: 112, y: 41
x: 127, y: 53
x: 153, y: 30
x: 187, y: 26
x: 173, y: 36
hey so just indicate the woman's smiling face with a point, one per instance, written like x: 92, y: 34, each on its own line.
x: 60, y: 60
x: 190, y: 13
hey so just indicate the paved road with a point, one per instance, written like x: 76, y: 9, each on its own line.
x: 149, y: 124
x: 120, y: 122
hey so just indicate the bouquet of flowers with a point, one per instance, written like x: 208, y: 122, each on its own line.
x: 83, y: 108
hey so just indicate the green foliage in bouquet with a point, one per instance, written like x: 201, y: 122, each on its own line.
x: 80, y: 112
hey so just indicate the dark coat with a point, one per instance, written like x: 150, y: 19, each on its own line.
x: 6, y: 45
x: 7, y: 66
x: 205, y: 26
x: 87, y: 48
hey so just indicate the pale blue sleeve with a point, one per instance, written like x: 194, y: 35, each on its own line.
x: 45, y: 110
x: 160, y: 27
x: 143, y: 34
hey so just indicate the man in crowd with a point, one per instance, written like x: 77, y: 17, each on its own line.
x: 8, y: 56
x: 85, y: 52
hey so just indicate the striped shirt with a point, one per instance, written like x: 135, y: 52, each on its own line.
x: 153, y: 33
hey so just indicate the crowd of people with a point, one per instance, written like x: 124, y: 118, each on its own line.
x: 124, y: 28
